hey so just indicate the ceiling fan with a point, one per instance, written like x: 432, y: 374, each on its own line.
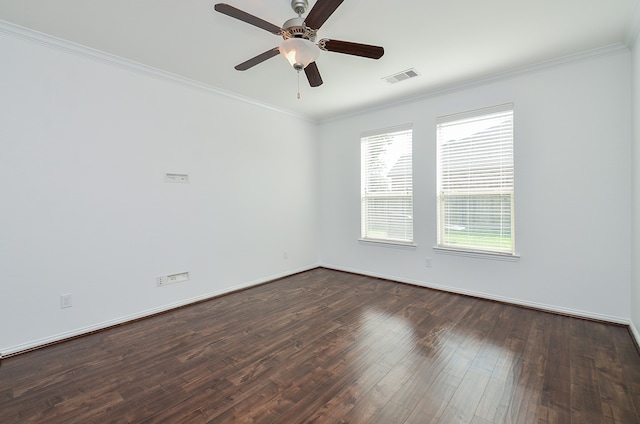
x: 299, y: 38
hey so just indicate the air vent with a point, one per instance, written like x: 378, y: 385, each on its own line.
x: 404, y: 75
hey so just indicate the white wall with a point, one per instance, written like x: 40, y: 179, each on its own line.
x: 573, y: 185
x: 84, y: 144
x: 84, y: 209
x: 635, y: 285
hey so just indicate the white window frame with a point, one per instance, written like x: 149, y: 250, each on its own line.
x: 384, y: 214
x: 472, y: 172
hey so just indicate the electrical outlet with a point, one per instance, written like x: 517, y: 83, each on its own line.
x: 65, y: 301
x: 161, y: 281
x: 427, y: 262
x: 285, y: 255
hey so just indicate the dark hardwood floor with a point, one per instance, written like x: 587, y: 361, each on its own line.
x: 330, y: 347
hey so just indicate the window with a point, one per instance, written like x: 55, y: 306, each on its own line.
x: 475, y: 181
x: 387, y: 186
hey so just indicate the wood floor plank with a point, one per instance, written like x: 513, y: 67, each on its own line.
x: 616, y: 404
x: 432, y: 404
x: 497, y: 395
x: 556, y: 389
x: 464, y: 402
x: 528, y: 391
x: 326, y: 346
x: 586, y: 401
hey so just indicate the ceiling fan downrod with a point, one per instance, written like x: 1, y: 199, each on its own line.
x: 299, y: 6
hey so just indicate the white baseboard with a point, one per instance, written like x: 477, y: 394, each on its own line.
x: 635, y: 333
x: 503, y: 299
x: 13, y: 350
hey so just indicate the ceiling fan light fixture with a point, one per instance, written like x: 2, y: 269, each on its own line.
x: 299, y: 52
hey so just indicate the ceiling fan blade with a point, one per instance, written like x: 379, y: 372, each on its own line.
x: 313, y: 75
x: 321, y: 12
x: 248, y: 18
x: 356, y: 49
x: 258, y: 59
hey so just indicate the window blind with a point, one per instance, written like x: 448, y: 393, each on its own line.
x: 387, y: 185
x: 476, y: 181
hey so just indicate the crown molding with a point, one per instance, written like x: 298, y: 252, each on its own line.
x: 89, y: 53
x: 78, y: 50
x: 610, y: 50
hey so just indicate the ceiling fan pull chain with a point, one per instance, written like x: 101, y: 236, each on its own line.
x: 298, y: 85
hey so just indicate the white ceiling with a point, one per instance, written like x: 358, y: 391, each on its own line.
x: 446, y: 41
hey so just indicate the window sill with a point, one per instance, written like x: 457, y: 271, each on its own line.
x: 388, y: 243
x: 478, y: 254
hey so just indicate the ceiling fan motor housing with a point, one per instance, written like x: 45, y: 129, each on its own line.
x: 295, y: 28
